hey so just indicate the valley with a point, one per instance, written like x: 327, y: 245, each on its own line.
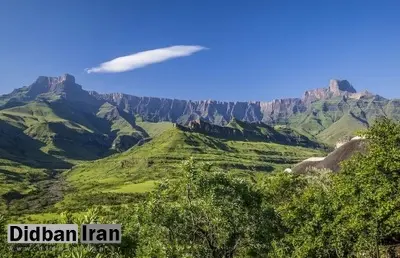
x: 69, y: 155
x: 199, y: 129
x: 62, y: 147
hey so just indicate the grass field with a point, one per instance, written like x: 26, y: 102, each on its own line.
x: 136, y: 170
x: 41, y: 139
x: 155, y: 129
x: 134, y: 188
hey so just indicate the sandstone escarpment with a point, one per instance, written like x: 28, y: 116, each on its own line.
x: 220, y: 112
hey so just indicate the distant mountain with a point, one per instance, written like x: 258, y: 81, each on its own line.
x: 55, y: 121
x: 62, y: 120
x: 54, y: 124
x: 325, y: 114
x: 48, y: 88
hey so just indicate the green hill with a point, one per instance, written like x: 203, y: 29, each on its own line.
x: 43, y: 134
x: 112, y: 148
x: 331, y: 119
x: 136, y: 170
x: 41, y: 138
x: 73, y: 132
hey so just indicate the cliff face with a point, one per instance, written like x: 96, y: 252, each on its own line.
x: 336, y: 88
x: 63, y: 86
x: 326, y: 113
x: 175, y: 110
x: 218, y: 112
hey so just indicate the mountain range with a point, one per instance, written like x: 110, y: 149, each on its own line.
x: 326, y: 114
x: 54, y: 135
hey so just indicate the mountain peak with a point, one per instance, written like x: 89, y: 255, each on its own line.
x: 63, y: 85
x: 337, y: 86
x: 67, y: 77
x: 56, y: 80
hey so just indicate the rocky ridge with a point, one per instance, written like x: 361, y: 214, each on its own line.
x: 326, y: 113
x: 219, y: 112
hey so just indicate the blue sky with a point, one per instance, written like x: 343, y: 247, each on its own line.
x: 256, y: 50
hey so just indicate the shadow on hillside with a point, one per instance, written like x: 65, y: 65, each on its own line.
x: 17, y: 146
x: 12, y: 176
x: 252, y: 132
x: 258, y: 168
x: 12, y: 103
x: 47, y: 193
x: 131, y: 120
x: 81, y: 113
x: 10, y: 196
x: 84, y: 145
x: 78, y: 145
x: 86, y: 114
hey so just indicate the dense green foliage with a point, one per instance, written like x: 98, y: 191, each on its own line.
x: 206, y: 212
x: 353, y: 213
x: 66, y: 150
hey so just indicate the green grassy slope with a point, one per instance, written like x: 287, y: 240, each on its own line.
x: 329, y: 120
x: 341, y: 128
x: 41, y: 138
x: 71, y: 131
x: 18, y: 177
x: 154, y: 129
x: 257, y: 131
x: 42, y: 135
x: 136, y: 170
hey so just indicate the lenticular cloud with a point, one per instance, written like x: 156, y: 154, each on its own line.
x: 145, y: 58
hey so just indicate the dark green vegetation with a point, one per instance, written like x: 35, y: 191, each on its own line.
x: 38, y: 137
x: 65, y: 150
x: 256, y: 131
x: 326, y: 114
x: 137, y: 169
x: 49, y: 127
x: 215, y: 213
x: 53, y: 125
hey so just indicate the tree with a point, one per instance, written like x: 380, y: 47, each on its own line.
x: 304, y: 204
x: 355, y: 212
x: 207, y: 214
x: 367, y: 193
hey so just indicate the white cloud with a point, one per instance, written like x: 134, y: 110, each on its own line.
x: 142, y: 59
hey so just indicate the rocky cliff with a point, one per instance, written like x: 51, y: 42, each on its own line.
x: 219, y: 112
x: 330, y: 112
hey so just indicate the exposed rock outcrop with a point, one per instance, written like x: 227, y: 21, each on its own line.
x: 336, y: 88
x: 333, y: 160
x: 63, y: 86
x: 315, y: 112
x: 218, y: 112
